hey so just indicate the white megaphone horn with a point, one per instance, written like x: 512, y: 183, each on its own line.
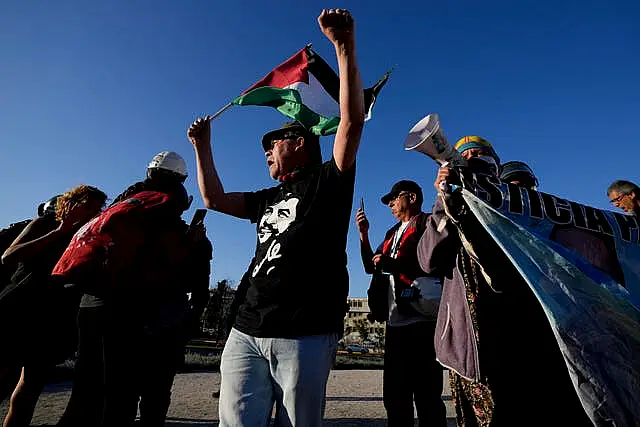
x: 428, y: 138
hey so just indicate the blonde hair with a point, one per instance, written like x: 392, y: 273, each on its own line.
x: 75, y: 197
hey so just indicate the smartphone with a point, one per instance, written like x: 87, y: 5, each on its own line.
x: 361, y: 203
x: 198, y: 217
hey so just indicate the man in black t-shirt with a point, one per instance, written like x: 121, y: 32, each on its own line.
x: 284, y: 338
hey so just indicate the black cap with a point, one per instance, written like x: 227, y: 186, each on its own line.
x: 400, y: 186
x: 288, y: 128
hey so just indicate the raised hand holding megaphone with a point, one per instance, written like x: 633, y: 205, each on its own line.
x: 427, y: 137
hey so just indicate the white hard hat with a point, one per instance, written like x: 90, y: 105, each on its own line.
x: 430, y: 292
x: 169, y: 161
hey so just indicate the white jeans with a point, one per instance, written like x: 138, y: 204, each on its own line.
x: 293, y: 373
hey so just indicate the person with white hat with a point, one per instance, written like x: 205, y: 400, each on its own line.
x: 166, y: 169
x: 152, y: 322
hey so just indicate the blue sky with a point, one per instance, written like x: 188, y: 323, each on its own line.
x: 90, y: 91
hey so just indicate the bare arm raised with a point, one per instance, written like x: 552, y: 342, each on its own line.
x: 338, y: 26
x: 211, y: 188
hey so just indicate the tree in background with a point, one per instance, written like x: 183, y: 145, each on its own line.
x: 217, y: 311
x: 378, y: 341
x: 362, y: 327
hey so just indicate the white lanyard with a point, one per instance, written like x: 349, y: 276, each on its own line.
x: 397, y: 237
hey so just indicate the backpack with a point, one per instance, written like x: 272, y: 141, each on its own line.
x: 7, y: 236
x: 123, y: 238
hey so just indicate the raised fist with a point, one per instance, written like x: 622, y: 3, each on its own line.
x: 337, y: 25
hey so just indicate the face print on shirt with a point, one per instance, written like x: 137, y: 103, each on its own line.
x: 277, y: 218
x: 275, y: 221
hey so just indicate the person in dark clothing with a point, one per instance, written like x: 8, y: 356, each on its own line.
x: 597, y: 249
x: 10, y: 374
x: 302, y: 227
x: 137, y: 334
x: 43, y: 302
x: 519, y: 173
x: 491, y: 332
x: 173, y: 320
x: 395, y: 266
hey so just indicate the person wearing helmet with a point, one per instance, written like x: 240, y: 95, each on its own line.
x: 394, y: 269
x: 481, y: 158
x: 149, y: 320
x: 484, y: 297
x: 167, y: 165
x: 475, y: 148
x: 300, y: 255
x: 166, y: 169
x: 519, y: 173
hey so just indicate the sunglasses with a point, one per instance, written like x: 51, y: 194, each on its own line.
x: 284, y: 137
x: 400, y: 194
x: 619, y: 198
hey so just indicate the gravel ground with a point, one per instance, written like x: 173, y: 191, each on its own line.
x: 354, y: 398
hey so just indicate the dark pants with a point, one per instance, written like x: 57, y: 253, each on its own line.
x: 86, y: 403
x: 122, y: 359
x: 9, y: 377
x: 521, y: 362
x: 411, y: 374
x: 163, y: 351
x: 105, y: 389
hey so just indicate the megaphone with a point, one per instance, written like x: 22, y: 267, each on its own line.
x: 428, y: 138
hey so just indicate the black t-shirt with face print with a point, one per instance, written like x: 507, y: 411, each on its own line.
x: 298, y: 282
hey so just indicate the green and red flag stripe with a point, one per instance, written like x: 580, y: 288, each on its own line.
x: 306, y: 89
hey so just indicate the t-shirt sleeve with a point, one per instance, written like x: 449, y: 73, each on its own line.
x: 255, y: 203
x: 333, y: 174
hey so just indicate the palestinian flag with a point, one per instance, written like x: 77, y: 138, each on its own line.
x: 306, y: 89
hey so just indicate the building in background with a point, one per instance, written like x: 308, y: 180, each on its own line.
x: 358, y: 329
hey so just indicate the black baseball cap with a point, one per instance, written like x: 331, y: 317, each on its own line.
x: 312, y: 141
x: 289, y: 128
x: 400, y: 186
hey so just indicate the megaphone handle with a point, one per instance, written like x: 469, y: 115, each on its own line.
x: 444, y: 186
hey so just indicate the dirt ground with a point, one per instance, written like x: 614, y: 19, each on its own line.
x: 354, y: 398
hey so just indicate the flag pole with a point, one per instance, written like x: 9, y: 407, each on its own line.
x: 222, y: 110
x: 229, y: 105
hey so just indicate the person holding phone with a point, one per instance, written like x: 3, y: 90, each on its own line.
x: 131, y: 342
x: 394, y: 267
x: 174, y: 320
